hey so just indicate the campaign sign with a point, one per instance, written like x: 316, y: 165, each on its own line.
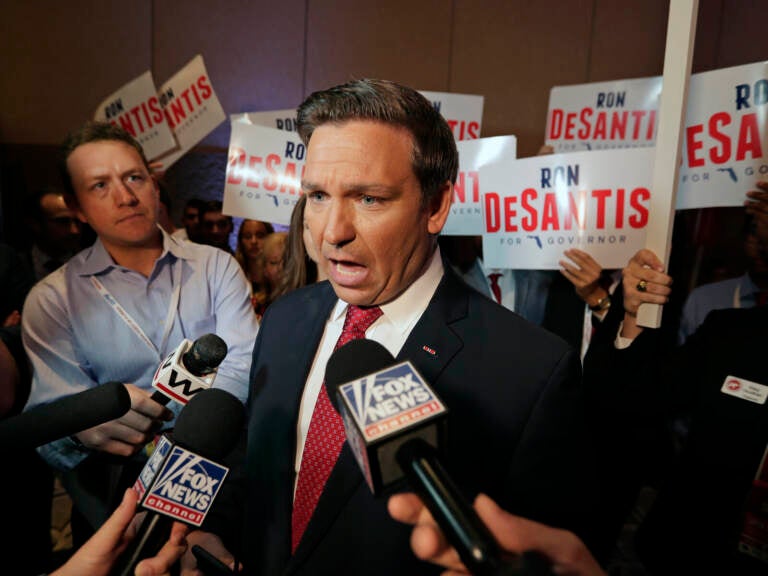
x: 535, y: 208
x: 466, y: 216
x: 155, y: 461
x: 390, y: 400
x: 136, y: 108
x: 278, y: 119
x: 725, y: 135
x: 462, y: 112
x: 601, y: 115
x: 191, y: 107
x: 185, y: 487
x: 725, y: 140
x: 264, y: 169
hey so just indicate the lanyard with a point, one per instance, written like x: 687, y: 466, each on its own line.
x: 128, y: 319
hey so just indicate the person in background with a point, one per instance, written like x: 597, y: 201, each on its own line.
x: 300, y: 266
x: 749, y: 289
x: 250, y: 241
x: 165, y: 209
x: 215, y: 226
x: 28, y: 480
x: 115, y: 310
x: 711, y: 509
x: 522, y: 291
x: 190, y: 221
x: 577, y: 319
x: 56, y: 231
x: 272, y: 259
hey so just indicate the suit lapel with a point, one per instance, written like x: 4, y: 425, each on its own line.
x: 276, y: 436
x: 432, y: 343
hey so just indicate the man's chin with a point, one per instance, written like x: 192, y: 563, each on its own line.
x: 354, y: 295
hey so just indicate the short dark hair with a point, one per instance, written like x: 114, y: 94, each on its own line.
x: 196, y: 203
x: 212, y: 206
x: 93, y: 132
x: 435, y: 157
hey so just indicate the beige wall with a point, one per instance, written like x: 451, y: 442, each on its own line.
x: 59, y: 59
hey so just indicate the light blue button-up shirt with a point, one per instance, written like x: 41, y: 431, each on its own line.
x: 75, y: 340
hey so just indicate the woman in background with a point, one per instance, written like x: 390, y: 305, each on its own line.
x: 301, y: 258
x: 271, y: 264
x: 250, y: 242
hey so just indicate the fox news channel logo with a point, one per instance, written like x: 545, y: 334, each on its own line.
x: 185, y: 487
x: 390, y: 400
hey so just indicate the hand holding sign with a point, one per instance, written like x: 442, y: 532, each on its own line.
x: 644, y: 281
x: 585, y: 274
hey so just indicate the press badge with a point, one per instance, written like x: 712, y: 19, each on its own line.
x: 745, y: 389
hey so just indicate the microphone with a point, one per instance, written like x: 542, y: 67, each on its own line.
x: 190, y: 368
x: 182, y: 477
x: 395, y: 423
x: 64, y: 417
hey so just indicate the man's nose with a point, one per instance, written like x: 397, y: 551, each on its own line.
x: 339, y: 226
x: 125, y: 195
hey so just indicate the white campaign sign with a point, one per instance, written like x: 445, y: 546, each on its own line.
x: 191, y: 106
x: 535, y: 208
x: 466, y: 216
x: 264, y: 169
x: 600, y: 115
x: 462, y: 112
x: 136, y: 108
x: 278, y: 119
x: 725, y: 140
x: 725, y: 143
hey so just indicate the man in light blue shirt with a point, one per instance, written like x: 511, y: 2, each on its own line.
x: 116, y: 309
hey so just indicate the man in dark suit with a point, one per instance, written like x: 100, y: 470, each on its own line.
x: 711, y: 511
x: 379, y: 176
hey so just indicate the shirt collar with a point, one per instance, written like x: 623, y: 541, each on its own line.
x: 405, y: 310
x: 97, y: 260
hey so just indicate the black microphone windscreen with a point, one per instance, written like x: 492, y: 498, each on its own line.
x: 355, y: 359
x: 66, y: 416
x: 205, y: 355
x: 210, y: 423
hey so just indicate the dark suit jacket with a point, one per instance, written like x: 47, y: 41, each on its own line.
x: 694, y: 523
x: 515, y: 431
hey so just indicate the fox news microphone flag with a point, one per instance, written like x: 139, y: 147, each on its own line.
x: 190, y: 368
x: 64, y: 417
x: 395, y: 424
x: 181, y: 479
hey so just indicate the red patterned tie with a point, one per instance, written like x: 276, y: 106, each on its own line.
x: 494, y: 278
x: 326, y: 434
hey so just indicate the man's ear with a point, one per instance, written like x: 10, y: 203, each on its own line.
x: 439, y: 207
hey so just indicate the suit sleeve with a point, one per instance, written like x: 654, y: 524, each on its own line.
x: 553, y: 471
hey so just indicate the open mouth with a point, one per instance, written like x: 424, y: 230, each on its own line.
x: 346, y: 271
